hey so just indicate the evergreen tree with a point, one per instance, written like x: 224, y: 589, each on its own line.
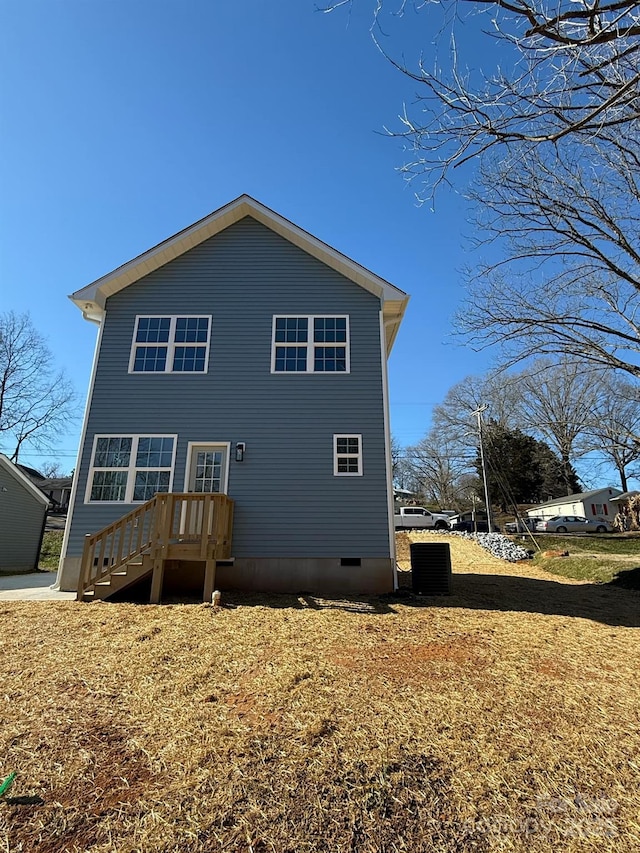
x: 521, y: 469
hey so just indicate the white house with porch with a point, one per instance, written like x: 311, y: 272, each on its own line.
x: 595, y: 505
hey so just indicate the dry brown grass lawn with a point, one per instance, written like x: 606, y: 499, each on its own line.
x: 503, y: 718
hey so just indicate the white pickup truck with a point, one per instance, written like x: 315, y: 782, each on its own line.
x: 407, y: 517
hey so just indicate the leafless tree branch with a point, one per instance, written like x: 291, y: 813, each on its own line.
x: 36, y: 403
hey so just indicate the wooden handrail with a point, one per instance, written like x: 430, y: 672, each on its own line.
x: 150, y: 528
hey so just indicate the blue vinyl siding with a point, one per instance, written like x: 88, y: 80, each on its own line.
x: 288, y: 503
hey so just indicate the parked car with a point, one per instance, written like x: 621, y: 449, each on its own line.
x: 465, y: 523
x: 409, y: 517
x: 571, y: 524
x: 522, y: 525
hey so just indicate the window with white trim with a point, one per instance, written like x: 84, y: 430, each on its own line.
x: 130, y: 468
x: 170, y: 344
x: 310, y: 344
x: 347, y: 455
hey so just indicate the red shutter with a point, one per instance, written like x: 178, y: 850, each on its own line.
x: 593, y: 509
x: 606, y: 509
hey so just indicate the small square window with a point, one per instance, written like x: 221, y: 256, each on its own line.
x: 153, y: 330
x: 112, y: 452
x: 329, y: 330
x: 291, y: 359
x: 149, y: 483
x: 192, y: 329
x: 150, y: 360
x: 108, y: 486
x: 292, y: 330
x: 188, y: 360
x: 347, y: 455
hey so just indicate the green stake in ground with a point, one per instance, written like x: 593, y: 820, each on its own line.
x: 8, y: 782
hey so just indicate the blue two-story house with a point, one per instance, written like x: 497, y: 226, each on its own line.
x: 237, y: 425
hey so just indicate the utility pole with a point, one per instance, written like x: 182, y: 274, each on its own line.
x: 478, y: 412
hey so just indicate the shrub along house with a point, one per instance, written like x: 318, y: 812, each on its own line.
x: 237, y: 420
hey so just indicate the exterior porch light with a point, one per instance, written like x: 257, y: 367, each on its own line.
x: 240, y: 447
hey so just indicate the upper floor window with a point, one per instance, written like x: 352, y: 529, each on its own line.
x: 310, y: 344
x: 130, y: 468
x: 170, y: 345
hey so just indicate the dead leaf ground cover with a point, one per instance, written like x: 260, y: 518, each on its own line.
x: 505, y: 717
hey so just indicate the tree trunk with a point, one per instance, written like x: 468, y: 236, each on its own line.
x: 623, y: 478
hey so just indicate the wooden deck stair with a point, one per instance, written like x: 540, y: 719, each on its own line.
x: 171, y: 526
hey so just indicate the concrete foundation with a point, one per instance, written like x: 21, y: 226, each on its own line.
x: 317, y: 575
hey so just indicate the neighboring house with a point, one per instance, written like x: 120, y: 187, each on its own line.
x: 32, y: 474
x: 623, y: 497
x: 240, y: 373
x: 23, y: 510
x: 57, y: 489
x: 595, y: 505
x: 403, y: 495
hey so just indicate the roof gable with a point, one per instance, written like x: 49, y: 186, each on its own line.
x: 92, y: 299
x: 22, y: 479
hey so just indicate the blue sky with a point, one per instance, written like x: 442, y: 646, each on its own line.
x: 124, y: 121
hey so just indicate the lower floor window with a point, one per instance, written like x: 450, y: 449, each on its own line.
x: 347, y: 455
x: 130, y: 468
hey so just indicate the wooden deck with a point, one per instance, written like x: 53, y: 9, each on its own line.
x: 171, y: 526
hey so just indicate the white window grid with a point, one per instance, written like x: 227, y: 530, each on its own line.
x: 310, y: 344
x: 170, y: 344
x: 347, y: 457
x: 131, y: 469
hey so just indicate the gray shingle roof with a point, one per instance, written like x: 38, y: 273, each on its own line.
x: 579, y: 496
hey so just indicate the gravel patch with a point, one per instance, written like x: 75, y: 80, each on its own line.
x: 497, y: 544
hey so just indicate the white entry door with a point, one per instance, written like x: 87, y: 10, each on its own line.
x: 208, y: 468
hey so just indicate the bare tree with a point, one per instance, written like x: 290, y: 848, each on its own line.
x: 443, y: 462
x: 613, y: 425
x: 551, y: 118
x: 564, y: 225
x: 454, y: 416
x: 36, y: 402
x: 552, y: 71
x: 52, y: 470
x: 557, y: 401
x: 439, y: 468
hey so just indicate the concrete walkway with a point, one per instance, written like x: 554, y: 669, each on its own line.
x: 32, y: 587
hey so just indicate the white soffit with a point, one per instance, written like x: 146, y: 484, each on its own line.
x: 92, y: 299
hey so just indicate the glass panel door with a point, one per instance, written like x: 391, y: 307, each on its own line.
x: 207, y: 468
x: 207, y: 472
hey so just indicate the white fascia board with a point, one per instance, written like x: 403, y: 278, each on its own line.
x: 92, y: 299
x: 22, y: 478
